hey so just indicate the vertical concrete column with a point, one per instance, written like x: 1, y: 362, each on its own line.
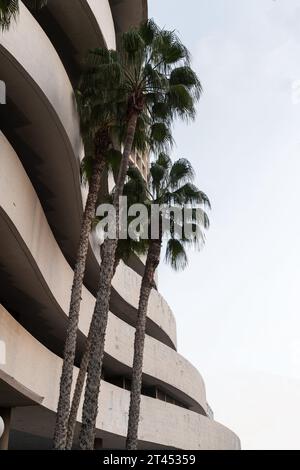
x: 5, y: 414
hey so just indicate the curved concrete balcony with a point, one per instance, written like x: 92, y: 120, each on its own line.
x: 87, y: 23
x: 32, y: 372
x: 48, y: 141
x: 127, y: 284
x: 31, y: 259
x: 42, y: 122
x: 128, y: 13
x: 76, y: 26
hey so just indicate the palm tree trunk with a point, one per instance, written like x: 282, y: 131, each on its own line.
x: 80, y: 383
x: 152, y: 262
x: 100, y: 315
x: 98, y: 331
x: 77, y: 394
x: 60, y: 431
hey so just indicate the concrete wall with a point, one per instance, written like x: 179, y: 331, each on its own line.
x: 127, y: 282
x: 21, y: 206
x: 161, y: 423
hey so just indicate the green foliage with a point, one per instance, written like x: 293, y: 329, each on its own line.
x: 186, y: 77
x: 113, y: 159
x: 171, y: 186
x: 148, y: 31
x: 135, y: 188
x: 176, y: 255
x: 181, y: 172
x: 86, y: 169
x: 126, y: 248
x: 9, y: 10
x: 160, y: 137
x: 150, y: 75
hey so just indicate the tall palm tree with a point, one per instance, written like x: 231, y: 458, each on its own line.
x: 153, y: 71
x: 170, y: 185
x: 9, y: 10
x: 102, y: 128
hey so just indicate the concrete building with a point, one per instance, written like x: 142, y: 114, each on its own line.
x: 41, y: 202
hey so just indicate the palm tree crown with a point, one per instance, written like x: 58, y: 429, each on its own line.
x: 171, y: 186
x: 149, y: 77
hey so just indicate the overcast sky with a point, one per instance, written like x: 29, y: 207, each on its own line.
x: 238, y: 304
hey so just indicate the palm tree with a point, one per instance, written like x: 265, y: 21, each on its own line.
x: 9, y: 10
x: 101, y: 128
x: 170, y: 186
x: 153, y: 73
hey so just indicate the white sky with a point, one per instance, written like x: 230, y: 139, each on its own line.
x: 238, y: 304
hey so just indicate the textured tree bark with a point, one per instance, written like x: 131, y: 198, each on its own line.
x: 98, y: 332
x: 100, y: 315
x: 152, y: 262
x: 80, y: 383
x: 77, y: 394
x: 60, y: 432
x: 125, y: 160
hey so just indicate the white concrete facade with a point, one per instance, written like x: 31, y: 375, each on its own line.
x: 41, y: 203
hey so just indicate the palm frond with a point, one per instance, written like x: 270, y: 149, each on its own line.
x: 126, y: 248
x: 197, y: 215
x: 113, y: 159
x: 132, y: 46
x: 148, y: 30
x: 161, y: 137
x: 159, y: 173
x: 187, y: 77
x: 181, y: 102
x: 188, y: 194
x: 135, y: 188
x: 9, y: 10
x: 161, y: 110
x: 141, y: 137
x: 193, y: 235
x: 176, y: 255
x: 181, y: 172
x: 163, y: 160
x: 154, y: 80
x: 86, y: 169
x: 169, y: 49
